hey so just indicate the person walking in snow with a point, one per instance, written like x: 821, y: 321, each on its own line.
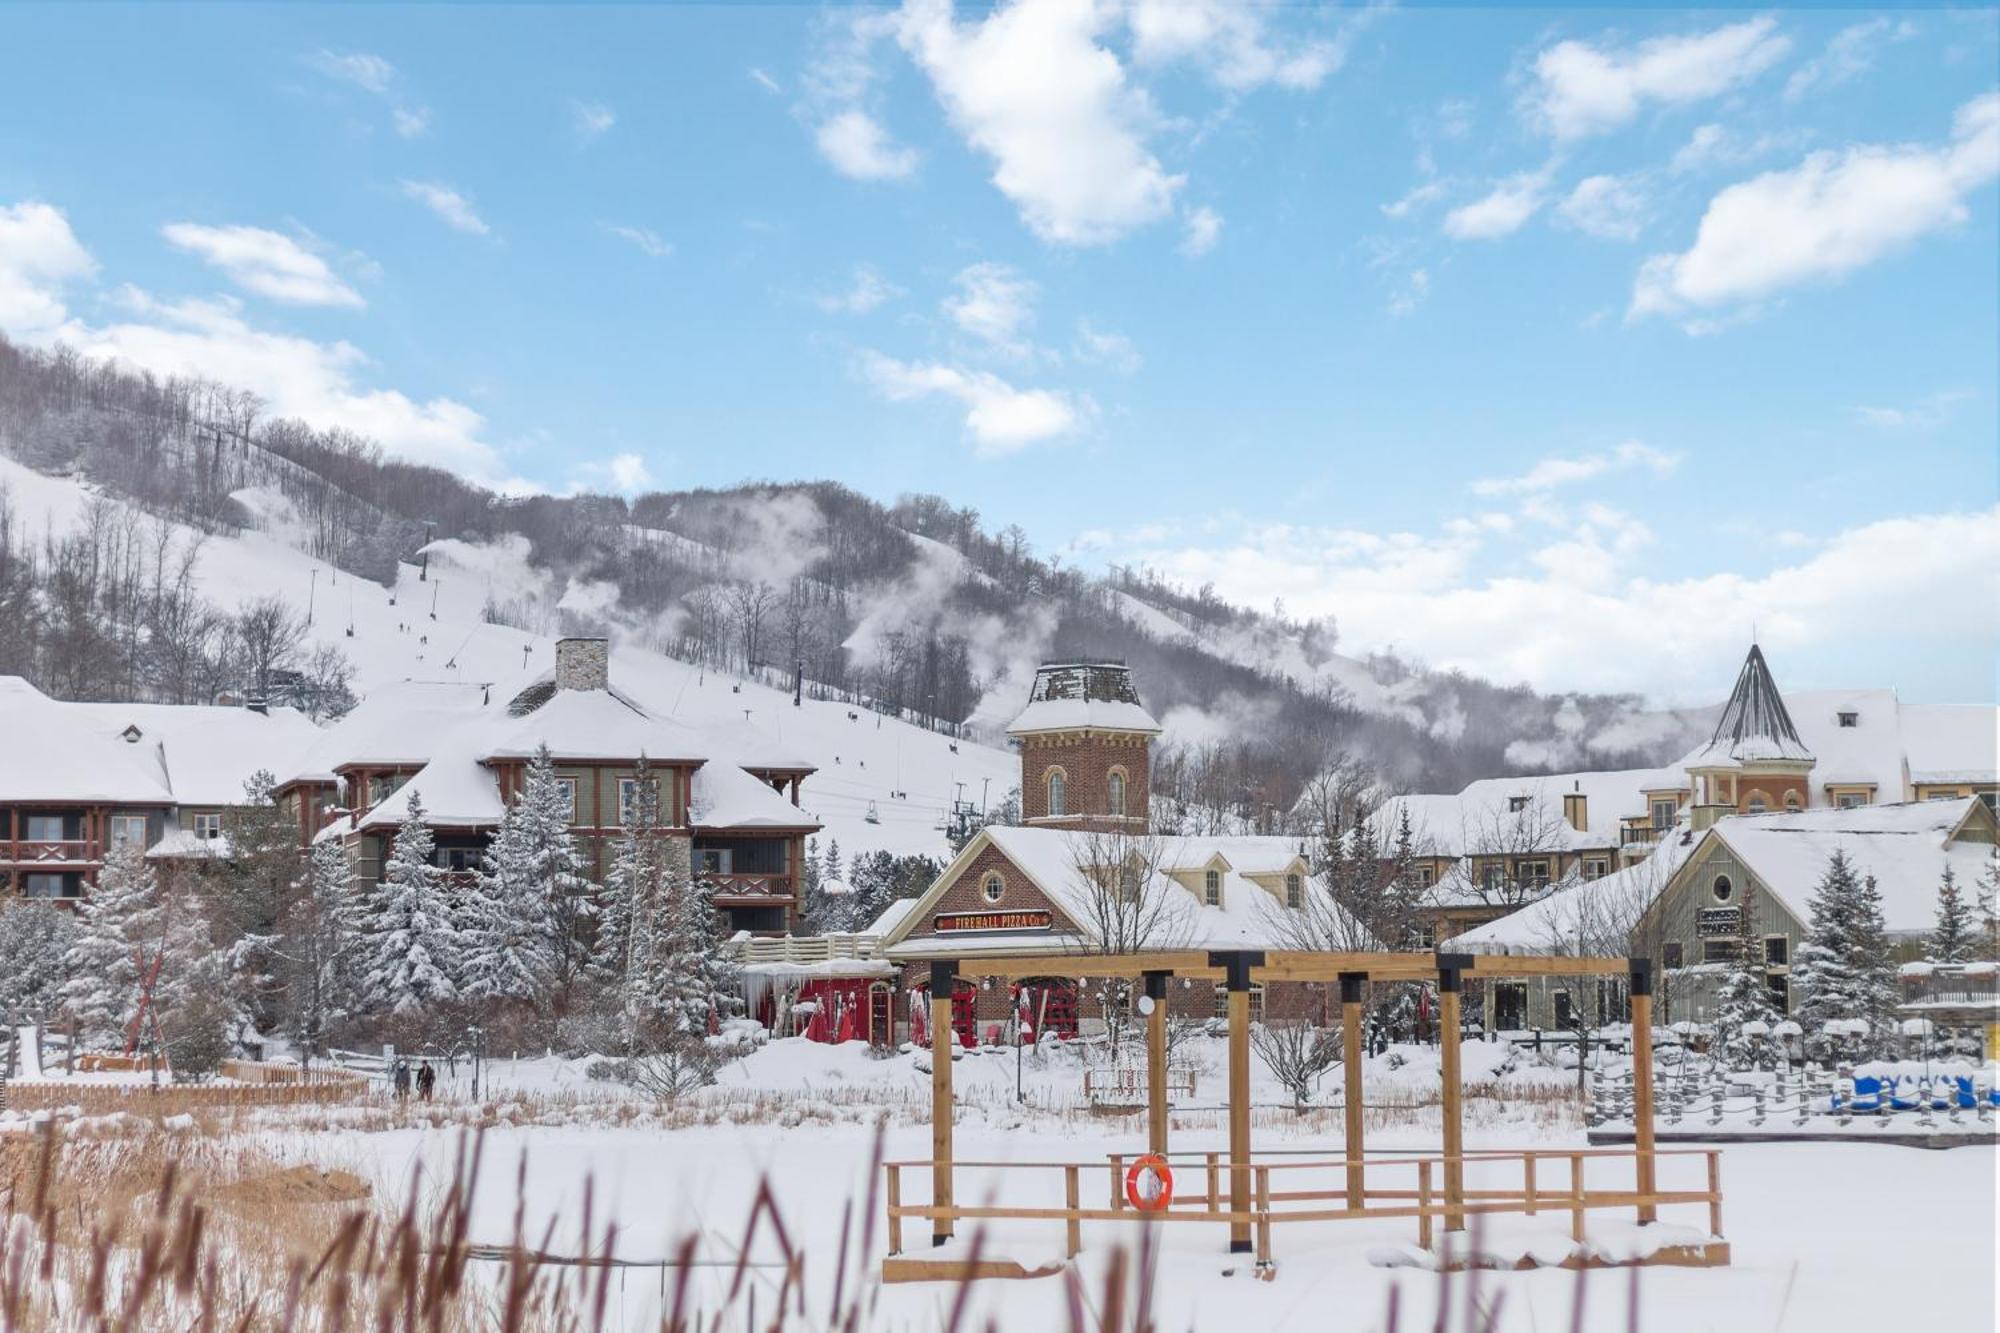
x: 399, y: 1080
x: 427, y: 1078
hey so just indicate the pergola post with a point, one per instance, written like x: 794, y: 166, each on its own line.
x: 1642, y: 1082
x: 1351, y: 986
x: 1156, y: 1063
x: 1236, y: 979
x: 1451, y: 974
x: 944, y: 982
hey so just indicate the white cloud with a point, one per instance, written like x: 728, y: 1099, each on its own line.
x: 1104, y: 348
x: 1848, y: 55
x: 39, y: 254
x: 1833, y: 213
x: 1230, y: 41
x: 867, y: 290
x: 370, y: 73
x: 591, y: 120
x: 1412, y: 294
x: 412, y: 121
x: 453, y: 208
x: 1502, y: 212
x: 1419, y: 196
x: 1203, y: 229
x: 1030, y: 87
x: 1463, y: 600
x: 1000, y: 418
x: 646, y: 239
x: 1612, y: 207
x: 267, y: 263
x: 1581, y: 89
x: 1550, y: 473
x: 860, y: 148
x: 763, y: 80
x: 994, y: 304
x: 1929, y: 414
x: 623, y: 474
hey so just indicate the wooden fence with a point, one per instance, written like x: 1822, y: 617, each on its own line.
x: 1285, y: 1191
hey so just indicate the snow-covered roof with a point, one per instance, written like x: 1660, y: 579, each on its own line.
x: 1905, y: 846
x: 396, y: 726
x: 137, y: 754
x: 1250, y: 915
x: 750, y: 746
x: 1073, y: 696
x: 1588, y: 917
x: 187, y: 845
x: 727, y: 797
x: 1754, y: 726
x: 1951, y: 742
x: 1482, y: 817
x: 892, y: 917
x: 592, y: 724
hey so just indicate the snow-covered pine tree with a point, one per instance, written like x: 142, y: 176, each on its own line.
x: 634, y: 899
x: 1843, y: 969
x: 117, y: 922
x: 1744, y: 996
x: 254, y: 886
x: 1951, y: 941
x: 693, y: 976
x: 522, y: 923
x: 410, y: 945
x: 190, y: 1011
x: 35, y: 940
x: 318, y: 939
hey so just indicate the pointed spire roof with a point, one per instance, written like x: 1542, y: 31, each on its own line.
x: 1754, y: 724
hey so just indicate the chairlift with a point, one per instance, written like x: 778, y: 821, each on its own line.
x: 872, y: 816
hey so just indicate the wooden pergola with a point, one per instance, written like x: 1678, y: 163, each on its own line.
x: 1249, y: 1198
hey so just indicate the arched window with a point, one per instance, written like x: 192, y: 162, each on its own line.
x: 1791, y: 800
x: 1754, y: 806
x: 1115, y: 786
x: 1722, y: 889
x: 1211, y: 888
x: 1058, y: 793
x: 1295, y: 891
x: 993, y: 888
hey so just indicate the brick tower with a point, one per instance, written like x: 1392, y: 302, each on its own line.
x: 1086, y: 749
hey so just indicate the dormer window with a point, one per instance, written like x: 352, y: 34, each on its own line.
x: 1058, y: 794
x: 1516, y: 804
x: 1295, y: 891
x: 132, y: 734
x: 1211, y: 887
x: 1850, y: 719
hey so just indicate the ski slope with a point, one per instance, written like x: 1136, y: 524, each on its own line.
x: 434, y: 629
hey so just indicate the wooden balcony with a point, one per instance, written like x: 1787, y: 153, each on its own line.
x: 750, y: 890
x: 66, y: 852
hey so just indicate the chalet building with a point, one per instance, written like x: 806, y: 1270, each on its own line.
x: 1502, y: 844
x: 78, y: 779
x: 1082, y: 875
x: 730, y: 794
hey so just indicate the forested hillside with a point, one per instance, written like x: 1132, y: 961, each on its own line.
x: 913, y: 609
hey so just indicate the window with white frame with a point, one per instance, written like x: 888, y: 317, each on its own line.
x: 207, y: 824
x: 993, y: 888
x: 714, y: 861
x: 128, y: 831
x: 1211, y: 887
x: 634, y: 795
x: 568, y: 788
x: 1058, y: 794
x: 1851, y: 800
x: 1295, y: 891
x: 1663, y: 813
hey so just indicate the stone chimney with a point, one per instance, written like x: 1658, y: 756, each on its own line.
x: 1576, y: 809
x: 583, y: 664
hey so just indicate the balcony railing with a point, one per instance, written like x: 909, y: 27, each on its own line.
x: 750, y: 889
x: 808, y: 948
x: 46, y: 852
x: 1951, y: 985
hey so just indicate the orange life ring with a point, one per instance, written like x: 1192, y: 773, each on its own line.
x: 1155, y: 1165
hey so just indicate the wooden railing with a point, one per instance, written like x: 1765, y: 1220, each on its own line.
x: 761, y: 888
x: 1123, y: 1083
x: 43, y: 852
x: 1283, y: 1190
x: 809, y: 948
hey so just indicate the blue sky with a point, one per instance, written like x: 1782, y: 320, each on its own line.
x: 1562, y: 346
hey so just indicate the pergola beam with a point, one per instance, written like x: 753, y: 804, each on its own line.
x: 1287, y: 965
x: 1236, y: 968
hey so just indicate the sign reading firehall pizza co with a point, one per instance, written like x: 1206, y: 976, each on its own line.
x: 945, y: 923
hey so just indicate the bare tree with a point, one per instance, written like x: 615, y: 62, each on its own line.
x: 267, y: 636
x: 1296, y: 1053
x: 1128, y: 905
x: 749, y: 603
x: 1497, y: 842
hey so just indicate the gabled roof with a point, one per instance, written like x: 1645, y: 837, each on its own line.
x: 1754, y: 725
x: 593, y: 725
x: 396, y: 726
x: 1250, y: 915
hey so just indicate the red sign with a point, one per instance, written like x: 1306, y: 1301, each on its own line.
x: 947, y: 923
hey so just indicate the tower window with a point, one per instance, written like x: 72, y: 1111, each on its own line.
x: 1115, y: 786
x: 1211, y: 888
x: 1058, y: 794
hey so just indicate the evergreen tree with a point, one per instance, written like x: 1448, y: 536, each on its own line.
x: 1843, y: 970
x: 254, y: 886
x: 1952, y: 940
x: 317, y: 940
x: 116, y: 923
x: 693, y: 978
x: 411, y: 944
x: 190, y: 1011
x: 1745, y: 997
x: 523, y: 929
x: 35, y: 940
